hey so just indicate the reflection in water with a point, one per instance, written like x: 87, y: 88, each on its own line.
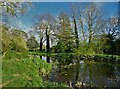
x: 46, y: 58
x: 71, y: 69
x: 40, y: 57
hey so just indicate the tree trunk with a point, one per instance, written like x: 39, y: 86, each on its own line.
x: 48, y: 59
x: 90, y: 39
x: 47, y: 42
x: 41, y: 44
x: 76, y: 32
x: 90, y: 30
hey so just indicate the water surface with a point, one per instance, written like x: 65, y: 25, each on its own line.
x: 70, y: 70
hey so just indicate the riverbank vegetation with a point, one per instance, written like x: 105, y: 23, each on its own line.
x: 22, y: 70
x: 82, y: 32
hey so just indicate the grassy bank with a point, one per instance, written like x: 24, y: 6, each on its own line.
x: 96, y: 57
x: 22, y: 70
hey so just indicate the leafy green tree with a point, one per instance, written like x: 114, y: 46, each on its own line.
x: 13, y: 8
x: 18, y: 41
x: 65, y: 37
x: 83, y: 49
x: 32, y: 43
x: 6, y: 38
x: 18, y: 44
x: 18, y: 32
x: 12, y: 40
x: 100, y: 44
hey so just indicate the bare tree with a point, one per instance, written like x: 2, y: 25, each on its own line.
x: 41, y: 31
x: 74, y: 9
x: 112, y: 32
x: 112, y: 27
x: 49, y: 24
x: 91, y: 21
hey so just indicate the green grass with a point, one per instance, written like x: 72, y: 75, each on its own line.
x: 23, y: 70
x: 18, y: 70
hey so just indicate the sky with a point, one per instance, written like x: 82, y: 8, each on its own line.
x: 65, y: 0
x: 26, y: 21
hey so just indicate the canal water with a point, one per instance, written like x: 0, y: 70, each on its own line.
x: 73, y: 71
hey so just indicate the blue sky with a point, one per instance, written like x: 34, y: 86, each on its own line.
x: 69, y: 0
x: 26, y: 21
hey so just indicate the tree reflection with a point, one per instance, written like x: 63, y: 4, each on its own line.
x: 72, y: 69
